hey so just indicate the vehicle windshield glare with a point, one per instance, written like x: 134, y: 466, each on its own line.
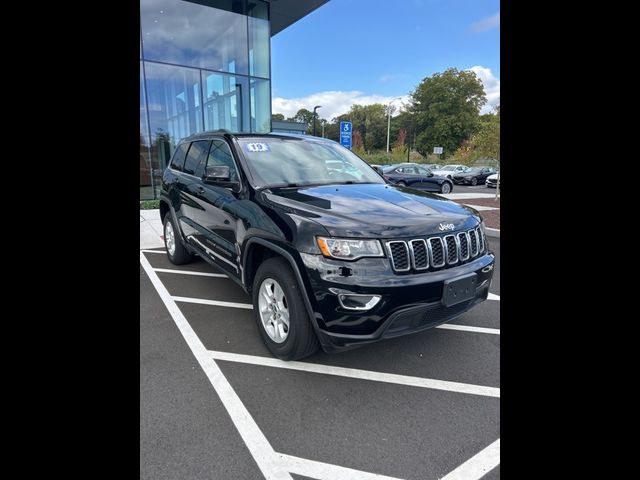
x: 297, y: 162
x: 472, y: 170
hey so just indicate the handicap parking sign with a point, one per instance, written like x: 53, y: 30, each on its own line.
x: 345, y: 134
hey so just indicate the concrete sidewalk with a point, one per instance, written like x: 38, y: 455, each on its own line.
x: 150, y: 229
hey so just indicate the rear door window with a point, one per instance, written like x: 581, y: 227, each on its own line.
x: 196, y: 157
x: 177, y: 162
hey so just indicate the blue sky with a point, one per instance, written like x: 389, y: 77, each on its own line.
x: 369, y: 51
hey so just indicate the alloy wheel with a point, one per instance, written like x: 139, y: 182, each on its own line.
x: 274, y: 310
x: 169, y: 238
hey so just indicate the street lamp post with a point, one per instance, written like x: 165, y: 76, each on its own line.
x: 314, y: 118
x: 389, y: 121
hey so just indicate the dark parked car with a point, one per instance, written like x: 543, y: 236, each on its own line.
x: 415, y: 176
x: 473, y: 175
x: 330, y: 258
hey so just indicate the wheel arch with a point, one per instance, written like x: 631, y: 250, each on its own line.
x: 164, y: 209
x: 257, y: 250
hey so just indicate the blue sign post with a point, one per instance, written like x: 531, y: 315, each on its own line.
x: 345, y: 134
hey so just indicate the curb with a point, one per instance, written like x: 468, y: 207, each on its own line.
x: 492, y: 232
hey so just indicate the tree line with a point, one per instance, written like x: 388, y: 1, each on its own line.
x: 443, y: 111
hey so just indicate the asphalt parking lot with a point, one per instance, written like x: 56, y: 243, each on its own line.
x: 471, y: 189
x: 214, y: 404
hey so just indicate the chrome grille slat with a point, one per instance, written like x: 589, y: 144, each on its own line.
x: 473, y: 237
x: 451, y: 248
x: 480, y: 239
x: 463, y: 241
x: 399, y: 255
x: 420, y: 254
x: 436, y: 252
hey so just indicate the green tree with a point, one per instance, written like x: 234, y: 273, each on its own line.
x: 487, y: 138
x: 369, y: 120
x: 305, y: 116
x: 446, y: 108
x: 277, y: 116
x: 484, y: 143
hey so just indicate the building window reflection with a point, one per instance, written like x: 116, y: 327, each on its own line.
x: 205, y: 66
x: 194, y: 34
x: 260, y: 105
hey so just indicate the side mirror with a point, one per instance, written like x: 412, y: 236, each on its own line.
x: 214, y: 174
x: 218, y: 175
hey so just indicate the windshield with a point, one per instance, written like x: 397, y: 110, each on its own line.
x: 472, y: 170
x: 388, y: 168
x: 297, y: 162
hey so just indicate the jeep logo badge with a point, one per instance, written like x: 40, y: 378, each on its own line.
x: 446, y: 226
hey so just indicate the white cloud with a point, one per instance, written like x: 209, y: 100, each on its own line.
x: 336, y: 103
x: 333, y: 103
x: 491, y: 87
x: 486, y: 23
x: 388, y: 77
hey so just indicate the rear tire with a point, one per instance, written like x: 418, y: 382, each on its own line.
x: 176, y: 251
x: 276, y: 293
x: 445, y: 187
x: 474, y: 181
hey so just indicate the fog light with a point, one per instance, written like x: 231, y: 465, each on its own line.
x: 358, y: 302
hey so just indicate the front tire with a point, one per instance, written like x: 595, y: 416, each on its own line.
x: 176, y: 251
x: 445, y: 187
x: 401, y: 184
x: 280, y: 312
x: 474, y: 181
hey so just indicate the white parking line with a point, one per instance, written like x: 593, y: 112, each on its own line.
x: 326, y: 471
x: 217, y: 303
x: 360, y: 374
x: 493, y: 297
x: 254, y: 439
x: 274, y: 466
x: 248, y: 306
x: 481, y: 208
x: 478, y: 465
x: 187, y: 272
x: 467, y: 328
x: 154, y: 251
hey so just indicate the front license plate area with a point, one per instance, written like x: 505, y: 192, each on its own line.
x: 460, y: 289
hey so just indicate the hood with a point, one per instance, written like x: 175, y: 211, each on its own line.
x: 493, y: 176
x: 372, y: 210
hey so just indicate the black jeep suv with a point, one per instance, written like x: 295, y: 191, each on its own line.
x: 332, y: 256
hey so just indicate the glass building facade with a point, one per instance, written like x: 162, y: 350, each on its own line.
x: 204, y: 65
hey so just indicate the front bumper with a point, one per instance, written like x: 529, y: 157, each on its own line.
x: 462, y: 181
x: 409, y: 303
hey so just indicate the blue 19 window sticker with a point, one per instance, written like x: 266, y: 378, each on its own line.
x: 258, y: 147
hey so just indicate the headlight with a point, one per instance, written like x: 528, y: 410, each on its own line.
x: 349, y: 249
